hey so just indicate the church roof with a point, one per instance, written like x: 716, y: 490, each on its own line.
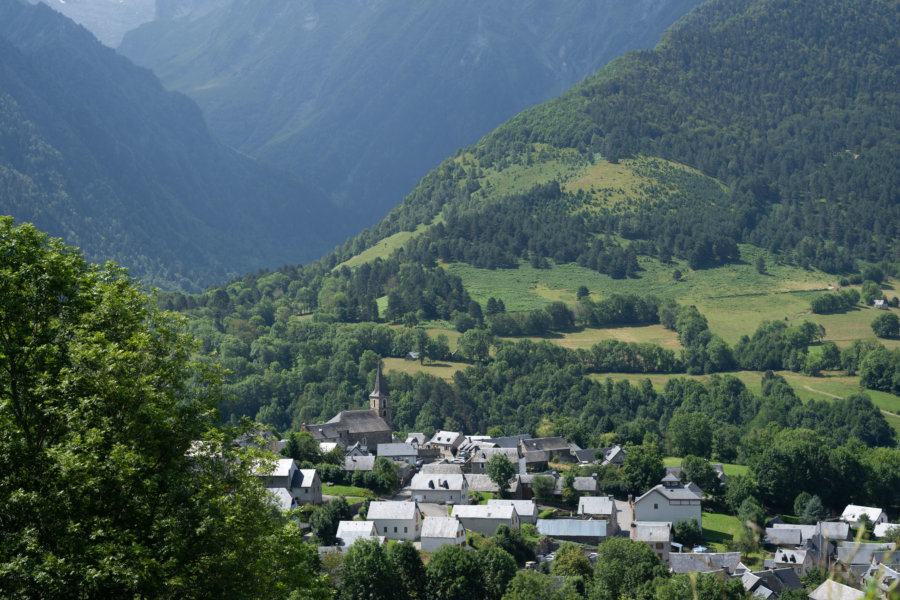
x: 359, y: 421
x: 380, y: 387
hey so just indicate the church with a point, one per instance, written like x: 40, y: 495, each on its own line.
x: 368, y: 427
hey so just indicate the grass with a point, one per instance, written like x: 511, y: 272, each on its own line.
x: 719, y: 528
x: 730, y: 469
x: 348, y: 491
x: 442, y: 370
x: 383, y: 248
x: 585, y: 338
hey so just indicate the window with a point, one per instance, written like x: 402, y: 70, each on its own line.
x: 656, y: 507
x: 395, y: 530
x: 405, y: 530
x: 659, y: 545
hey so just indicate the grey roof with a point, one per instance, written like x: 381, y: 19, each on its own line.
x: 510, y: 441
x: 391, y: 510
x: 524, y: 508
x: 881, y: 530
x: 831, y: 590
x: 437, y: 481
x: 483, y: 455
x: 853, y: 512
x: 440, y: 527
x: 309, y: 476
x: 447, y: 438
x: 549, y: 444
x: 851, y: 553
x: 359, y: 463
x: 596, y: 505
x: 585, y: 485
x: 280, y: 468
x: 483, y: 511
x: 401, y: 449
x: 792, y: 556
x: 482, y: 483
x: 571, y: 528
x: 283, y: 498
x: 651, y: 531
x: 360, y: 421
x: 671, y: 478
x: 536, y: 456
x: 350, y: 531
x: 420, y: 438
x: 378, y: 391
x: 672, y: 493
x: 705, y: 562
x: 784, y: 536
x: 587, y: 455
x: 442, y: 467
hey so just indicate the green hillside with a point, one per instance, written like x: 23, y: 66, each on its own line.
x: 362, y: 97
x: 93, y: 149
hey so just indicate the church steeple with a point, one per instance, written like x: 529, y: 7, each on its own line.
x: 379, y: 401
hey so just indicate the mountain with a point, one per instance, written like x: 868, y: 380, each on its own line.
x: 106, y: 19
x: 364, y: 96
x: 94, y: 150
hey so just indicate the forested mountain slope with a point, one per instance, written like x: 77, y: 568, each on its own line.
x: 365, y: 96
x: 93, y: 149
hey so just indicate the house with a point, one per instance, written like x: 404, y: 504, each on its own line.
x: 799, y: 560
x: 656, y: 534
x: 880, y: 304
x: 535, y: 460
x: 853, y: 513
x: 555, y: 447
x: 586, y: 456
x: 447, y: 442
x: 480, y: 458
x: 350, y: 531
x: 726, y: 563
x: 416, y: 439
x: 283, y: 498
x: 483, y: 483
x: 412, y: 356
x: 442, y: 531
x: 831, y: 590
x: 785, y: 534
x: 852, y: 554
x: 509, y: 441
x: 445, y: 468
x: 669, y: 501
x: 310, y: 489
x: 485, y: 519
x: 573, y: 530
x: 526, y: 509
x: 368, y: 427
x: 326, y: 447
x: 359, y: 463
x: 770, y: 583
x: 717, y: 467
x: 582, y: 485
x: 399, y: 452
x: 428, y: 487
x: 601, y: 508
x: 884, y: 577
x: 357, y: 449
x: 882, y: 529
x: 396, y: 520
x: 614, y: 456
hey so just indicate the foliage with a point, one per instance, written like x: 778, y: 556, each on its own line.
x: 698, y: 470
x: 367, y: 573
x: 497, y: 569
x: 623, y: 567
x: 302, y: 447
x: 698, y: 586
x: 886, y: 325
x: 501, y: 470
x: 529, y: 585
x: 543, y: 486
x: 570, y: 561
x: 324, y: 522
x: 115, y: 480
x: 514, y: 543
x: 453, y: 574
x: 687, y: 532
x: 643, y: 467
x: 408, y: 571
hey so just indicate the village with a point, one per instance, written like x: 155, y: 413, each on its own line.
x: 451, y: 489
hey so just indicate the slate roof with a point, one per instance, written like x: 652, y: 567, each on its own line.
x: 832, y: 530
x: 784, y: 536
x: 440, y: 527
x: 359, y: 463
x: 442, y: 467
x: 437, y: 481
x: 596, y: 505
x: 831, y: 590
x: 485, y: 454
x: 524, y: 508
x: 401, y: 449
x: 391, y: 511
x: 881, y: 530
x: 350, y: 531
x: 447, y: 438
x: 309, y: 476
x: 851, y: 553
x: 549, y: 444
x: 651, y: 531
x: 420, y: 438
x: 281, y: 468
x: 789, y: 556
x: 853, y: 512
x: 536, y: 456
x: 704, y: 562
x: 359, y: 421
x: 672, y: 493
x: 585, y: 485
x: 510, y: 441
x: 482, y: 483
x: 283, y: 498
x: 483, y: 511
x: 571, y: 528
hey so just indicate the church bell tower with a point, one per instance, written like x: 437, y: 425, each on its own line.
x: 379, y: 401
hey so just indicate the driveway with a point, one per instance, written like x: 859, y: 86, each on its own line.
x: 624, y: 517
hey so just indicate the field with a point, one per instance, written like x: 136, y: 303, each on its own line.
x: 351, y: 493
x: 730, y: 469
x: 443, y: 370
x: 653, y: 334
x: 383, y: 248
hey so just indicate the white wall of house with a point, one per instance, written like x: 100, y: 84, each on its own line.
x: 440, y: 495
x: 656, y: 507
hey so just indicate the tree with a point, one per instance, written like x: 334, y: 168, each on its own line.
x: 324, y: 522
x: 453, y: 574
x: 513, y: 542
x: 813, y: 512
x: 385, y: 473
x: 501, y: 471
x: 302, y: 447
x: 698, y: 586
x: 690, y: 433
x: 366, y: 573
x: 115, y: 479
x: 475, y: 345
x: 409, y: 572
x: 570, y: 561
x: 870, y: 292
x: 688, y: 532
x: 761, y: 265
x: 622, y: 568
x: 737, y: 489
x: 529, y: 585
x: 497, y: 569
x: 543, y: 486
x: 643, y: 467
x: 886, y: 325
x: 698, y: 470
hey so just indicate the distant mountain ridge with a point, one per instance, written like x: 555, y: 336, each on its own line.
x: 108, y: 20
x: 94, y: 150
x: 364, y: 96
